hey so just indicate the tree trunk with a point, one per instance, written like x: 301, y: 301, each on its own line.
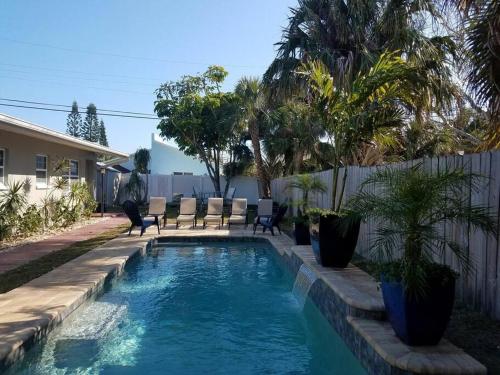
x: 253, y: 129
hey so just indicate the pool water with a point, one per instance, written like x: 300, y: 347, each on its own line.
x: 192, y: 309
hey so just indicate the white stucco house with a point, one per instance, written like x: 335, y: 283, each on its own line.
x: 168, y: 160
x: 30, y: 152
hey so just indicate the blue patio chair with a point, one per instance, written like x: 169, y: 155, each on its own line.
x: 271, y: 222
x: 132, y: 211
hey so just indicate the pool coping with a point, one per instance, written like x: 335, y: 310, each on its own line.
x: 354, y: 306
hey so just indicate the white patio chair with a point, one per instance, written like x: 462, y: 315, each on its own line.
x: 187, y: 212
x: 239, y: 212
x: 214, y: 212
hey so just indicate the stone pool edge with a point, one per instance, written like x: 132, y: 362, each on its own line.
x: 30, y: 312
x: 357, y: 317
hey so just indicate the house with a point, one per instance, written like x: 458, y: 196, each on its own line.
x: 36, y: 155
x: 168, y: 160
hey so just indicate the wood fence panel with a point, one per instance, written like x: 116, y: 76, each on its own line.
x: 482, y: 288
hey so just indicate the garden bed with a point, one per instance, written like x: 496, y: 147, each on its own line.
x: 11, y: 244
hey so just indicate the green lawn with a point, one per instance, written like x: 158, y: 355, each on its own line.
x: 21, y: 275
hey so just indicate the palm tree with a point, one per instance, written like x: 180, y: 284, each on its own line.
x: 249, y: 89
x: 375, y: 100
x: 307, y: 184
x: 410, y: 205
x: 142, y: 158
x: 294, y: 131
x: 482, y: 58
x: 347, y: 37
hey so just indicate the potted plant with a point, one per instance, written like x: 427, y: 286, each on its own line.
x: 351, y: 113
x: 409, y: 206
x: 307, y: 184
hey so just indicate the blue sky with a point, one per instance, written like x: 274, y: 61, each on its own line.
x: 115, y: 53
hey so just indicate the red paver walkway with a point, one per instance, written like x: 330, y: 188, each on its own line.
x: 10, y: 259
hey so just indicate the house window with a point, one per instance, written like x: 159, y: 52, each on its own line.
x: 72, y: 172
x: 41, y: 171
x: 2, y: 167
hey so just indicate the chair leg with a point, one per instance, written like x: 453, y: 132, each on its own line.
x: 157, y: 222
x: 142, y: 230
x: 254, y: 228
x: 177, y: 225
x: 279, y: 229
x: 272, y: 230
x: 130, y: 230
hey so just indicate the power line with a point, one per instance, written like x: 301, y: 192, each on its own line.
x: 75, y: 85
x: 81, y: 78
x: 82, y: 72
x: 143, y: 58
x: 69, y: 106
x: 66, y: 111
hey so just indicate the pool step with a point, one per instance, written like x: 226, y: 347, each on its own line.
x: 379, y: 338
x: 94, y: 321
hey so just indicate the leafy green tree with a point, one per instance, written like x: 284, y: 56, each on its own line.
x: 74, y: 121
x: 103, y: 139
x: 91, y: 128
x: 201, y: 118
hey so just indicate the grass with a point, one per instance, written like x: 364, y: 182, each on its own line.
x: 470, y: 330
x: 21, y: 275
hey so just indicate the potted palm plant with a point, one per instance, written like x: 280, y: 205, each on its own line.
x: 307, y: 184
x: 409, y: 206
x: 351, y: 114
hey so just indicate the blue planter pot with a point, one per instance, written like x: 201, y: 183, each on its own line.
x: 419, y: 321
x: 333, y: 246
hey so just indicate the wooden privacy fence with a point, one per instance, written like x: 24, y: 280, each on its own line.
x: 481, y: 289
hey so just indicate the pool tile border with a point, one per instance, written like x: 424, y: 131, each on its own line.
x: 349, y: 300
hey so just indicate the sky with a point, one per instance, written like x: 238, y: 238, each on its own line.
x: 115, y: 53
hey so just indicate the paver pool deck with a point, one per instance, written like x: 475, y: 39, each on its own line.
x: 19, y: 255
x: 30, y: 311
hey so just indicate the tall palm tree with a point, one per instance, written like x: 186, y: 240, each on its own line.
x: 249, y: 89
x: 294, y: 131
x: 482, y: 44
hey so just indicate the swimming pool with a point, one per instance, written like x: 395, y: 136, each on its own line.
x: 215, y: 308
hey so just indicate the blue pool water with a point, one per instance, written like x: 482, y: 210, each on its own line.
x: 195, y: 309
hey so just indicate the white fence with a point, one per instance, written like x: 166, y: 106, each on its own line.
x: 482, y: 288
x: 168, y: 185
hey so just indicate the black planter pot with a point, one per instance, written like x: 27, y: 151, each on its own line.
x: 301, y: 233
x: 333, y: 244
x: 419, y: 321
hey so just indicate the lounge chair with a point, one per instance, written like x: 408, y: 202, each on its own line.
x: 239, y: 212
x: 214, y: 212
x: 132, y: 211
x: 271, y: 222
x: 187, y: 212
x: 157, y: 209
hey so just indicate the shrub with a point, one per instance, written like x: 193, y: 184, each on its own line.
x: 31, y: 221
